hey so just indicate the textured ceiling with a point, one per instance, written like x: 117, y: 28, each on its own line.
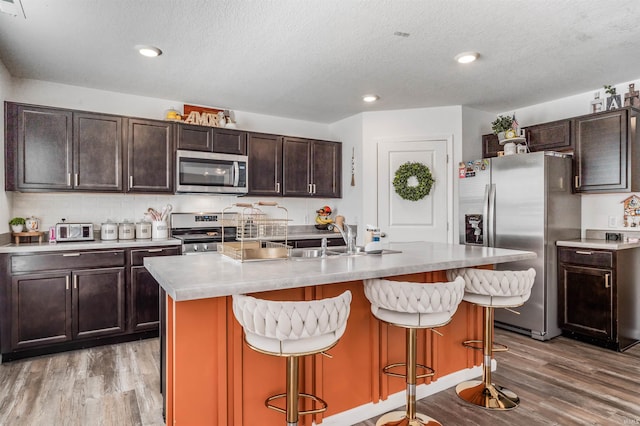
x: 314, y: 60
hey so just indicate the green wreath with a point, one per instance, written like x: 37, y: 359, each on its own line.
x: 413, y: 193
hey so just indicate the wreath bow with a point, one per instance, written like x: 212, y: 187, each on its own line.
x: 422, y: 174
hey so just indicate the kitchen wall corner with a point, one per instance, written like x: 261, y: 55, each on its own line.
x: 6, y: 197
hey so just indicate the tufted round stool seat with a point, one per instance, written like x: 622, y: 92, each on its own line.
x: 292, y: 329
x: 412, y: 306
x: 491, y: 289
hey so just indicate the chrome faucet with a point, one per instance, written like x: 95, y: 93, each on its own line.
x: 323, y: 248
x: 349, y: 238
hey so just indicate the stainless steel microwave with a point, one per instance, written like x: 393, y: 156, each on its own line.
x: 210, y: 172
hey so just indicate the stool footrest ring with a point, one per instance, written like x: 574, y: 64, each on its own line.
x: 321, y: 409
x: 478, y: 345
x: 386, y: 370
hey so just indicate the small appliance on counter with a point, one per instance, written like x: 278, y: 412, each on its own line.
x: 73, y: 231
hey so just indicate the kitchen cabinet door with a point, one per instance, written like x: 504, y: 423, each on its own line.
x: 42, y: 139
x: 606, y: 155
x: 229, y: 141
x: 296, y: 167
x: 40, y: 309
x: 326, y: 169
x: 150, y: 164
x: 586, y: 297
x: 265, y: 164
x: 98, y: 302
x: 490, y: 145
x: 553, y: 136
x: 312, y: 168
x: 97, y: 152
x: 194, y: 138
x: 144, y: 305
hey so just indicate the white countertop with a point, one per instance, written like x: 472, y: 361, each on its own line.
x: 597, y: 244
x: 86, y: 245
x: 214, y: 275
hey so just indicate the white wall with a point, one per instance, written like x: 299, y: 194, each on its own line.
x: 97, y: 208
x: 474, y: 124
x: 596, y: 208
x: 5, y: 197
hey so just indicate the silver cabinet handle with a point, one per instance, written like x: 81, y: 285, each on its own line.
x: 577, y: 181
x: 71, y: 255
x: 130, y: 182
x: 154, y: 250
x: 68, y: 179
x: 606, y: 281
x: 75, y: 281
x: 588, y: 253
x: 314, y: 188
x: 277, y: 186
x: 309, y: 188
x: 66, y: 281
x: 75, y: 179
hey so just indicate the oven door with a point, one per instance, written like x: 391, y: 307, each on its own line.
x: 198, y: 172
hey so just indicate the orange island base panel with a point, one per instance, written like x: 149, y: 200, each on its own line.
x: 213, y: 378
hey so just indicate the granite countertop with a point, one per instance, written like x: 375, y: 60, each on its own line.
x: 214, y: 275
x: 593, y: 243
x: 86, y: 245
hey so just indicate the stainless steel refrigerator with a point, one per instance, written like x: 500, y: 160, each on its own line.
x: 522, y: 202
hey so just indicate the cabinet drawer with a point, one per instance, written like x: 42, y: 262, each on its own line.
x: 585, y: 257
x: 137, y: 256
x: 67, y: 260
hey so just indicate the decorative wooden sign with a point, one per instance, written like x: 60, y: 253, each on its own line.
x: 204, y: 116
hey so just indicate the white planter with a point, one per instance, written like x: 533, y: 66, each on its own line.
x: 17, y: 228
x: 509, y: 148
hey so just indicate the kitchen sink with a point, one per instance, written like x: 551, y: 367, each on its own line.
x: 333, y: 252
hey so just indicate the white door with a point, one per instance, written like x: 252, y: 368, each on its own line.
x: 423, y: 220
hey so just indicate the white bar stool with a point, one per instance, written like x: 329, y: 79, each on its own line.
x: 412, y: 306
x: 491, y: 289
x: 292, y: 330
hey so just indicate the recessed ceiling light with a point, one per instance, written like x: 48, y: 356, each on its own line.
x: 149, y: 51
x: 370, y: 98
x: 466, y: 57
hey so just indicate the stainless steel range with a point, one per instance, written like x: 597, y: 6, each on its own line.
x: 200, y: 232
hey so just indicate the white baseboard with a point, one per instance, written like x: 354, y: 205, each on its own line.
x: 399, y: 399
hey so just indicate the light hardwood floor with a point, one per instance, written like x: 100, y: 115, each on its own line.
x: 560, y: 382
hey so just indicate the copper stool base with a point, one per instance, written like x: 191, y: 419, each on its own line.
x: 399, y: 418
x: 493, y: 397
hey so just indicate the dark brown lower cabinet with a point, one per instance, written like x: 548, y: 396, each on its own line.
x: 98, y: 302
x: 40, y: 310
x: 145, y: 291
x: 598, y: 295
x: 61, y: 300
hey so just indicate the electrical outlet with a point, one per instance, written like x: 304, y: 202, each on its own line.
x: 612, y: 221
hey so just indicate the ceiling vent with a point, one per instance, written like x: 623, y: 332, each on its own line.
x: 12, y: 7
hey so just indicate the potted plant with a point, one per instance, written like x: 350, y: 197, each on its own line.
x: 501, y: 125
x: 17, y: 224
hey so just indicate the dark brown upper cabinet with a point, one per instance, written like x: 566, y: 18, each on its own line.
x: 553, y: 136
x: 211, y: 139
x: 150, y: 156
x: 490, y: 145
x: 265, y: 164
x: 39, y: 150
x: 52, y: 149
x: 312, y: 168
x: 97, y: 152
x: 606, y: 155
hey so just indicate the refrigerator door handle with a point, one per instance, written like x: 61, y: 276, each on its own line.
x: 485, y: 215
x: 491, y: 218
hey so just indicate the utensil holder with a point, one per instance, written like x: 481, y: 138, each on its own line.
x: 159, y: 230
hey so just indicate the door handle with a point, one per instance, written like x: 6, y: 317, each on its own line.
x: 576, y: 181
x: 75, y: 180
x: 588, y: 253
x: 68, y: 179
x: 130, y: 182
x: 607, y: 284
x: 71, y: 255
x: 277, y: 186
x: 154, y: 250
x: 75, y: 281
x: 66, y: 282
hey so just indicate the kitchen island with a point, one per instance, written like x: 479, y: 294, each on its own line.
x: 213, y: 378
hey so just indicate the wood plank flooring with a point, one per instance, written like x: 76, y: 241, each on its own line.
x: 560, y: 382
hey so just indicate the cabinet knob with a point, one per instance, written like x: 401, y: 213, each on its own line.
x: 607, y: 284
